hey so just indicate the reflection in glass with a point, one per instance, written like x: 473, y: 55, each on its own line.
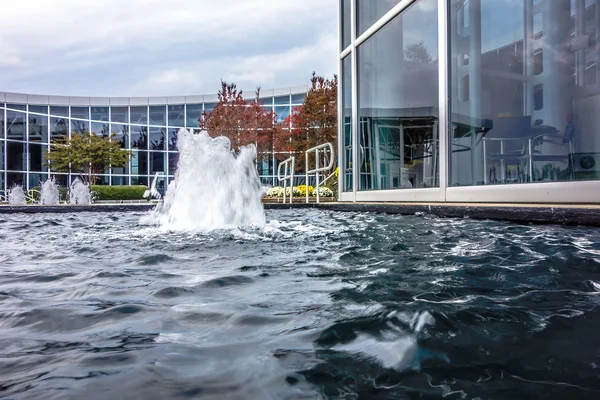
x: 139, y: 115
x: 80, y: 127
x: 173, y: 162
x: 158, y: 162
x: 158, y: 115
x: 21, y: 107
x: 346, y: 16
x: 76, y: 112
x: 173, y: 139
x: 119, y: 180
x: 157, y: 138
x: 16, y: 156
x: 523, y: 107
x: 59, y: 127
x: 298, y: 98
x: 1, y: 160
x: 38, y: 109
x: 280, y: 100
x: 121, y: 133
x: 2, y: 123
x: 347, y: 115
x: 370, y: 11
x: 139, y: 163
x: 15, y: 125
x: 176, y: 116
x: 193, y: 114
x: 101, y: 129
x: 282, y: 112
x: 100, y: 113
x: 36, y: 156
x: 38, y: 128
x: 119, y: 115
x: 398, y: 102
x: 139, y: 137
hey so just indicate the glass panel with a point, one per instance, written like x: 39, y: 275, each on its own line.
x: 119, y: 115
x: 282, y: 112
x: 176, y: 116
x: 38, y: 109
x: 208, y: 107
x: 347, y: 110
x: 158, y: 161
x: 21, y: 107
x: 80, y: 126
x: 38, y: 128
x: 59, y: 111
x: 282, y: 100
x: 528, y: 115
x: 157, y: 138
x: 120, y: 180
x: 139, y: 163
x: 15, y: 125
x: 121, y: 134
x: 370, y: 11
x: 173, y: 162
x: 61, y: 179
x: 346, y: 23
x: 59, y: 127
x: 158, y: 115
x: 139, y: 137
x: 1, y: 161
x: 139, y: 115
x: 298, y: 98
x: 36, y: 180
x: 173, y: 139
x: 99, y: 128
x: 2, y: 124
x: 193, y: 113
x: 76, y: 112
x: 398, y: 102
x: 139, y: 180
x: 36, y: 156
x: 100, y: 113
x: 15, y: 156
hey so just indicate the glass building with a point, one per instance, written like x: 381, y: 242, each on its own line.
x: 146, y: 126
x: 470, y: 100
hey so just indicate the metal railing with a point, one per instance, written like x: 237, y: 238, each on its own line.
x: 288, y: 174
x: 317, y: 170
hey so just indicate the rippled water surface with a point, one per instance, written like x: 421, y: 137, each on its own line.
x: 316, y: 305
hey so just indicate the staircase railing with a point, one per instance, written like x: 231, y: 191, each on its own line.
x: 288, y: 166
x: 317, y: 170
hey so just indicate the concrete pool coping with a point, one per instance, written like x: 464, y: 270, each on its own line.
x: 564, y: 214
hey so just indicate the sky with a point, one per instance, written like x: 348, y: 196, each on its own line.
x: 161, y: 48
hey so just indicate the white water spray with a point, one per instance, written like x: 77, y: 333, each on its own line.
x: 214, y: 188
x: 16, y: 196
x: 79, y: 193
x: 49, y: 195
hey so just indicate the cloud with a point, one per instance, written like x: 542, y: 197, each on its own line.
x: 106, y: 47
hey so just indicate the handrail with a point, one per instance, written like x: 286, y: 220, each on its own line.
x: 287, y: 176
x: 318, y: 169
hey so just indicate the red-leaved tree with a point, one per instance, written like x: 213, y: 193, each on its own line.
x: 243, y: 121
x: 313, y: 123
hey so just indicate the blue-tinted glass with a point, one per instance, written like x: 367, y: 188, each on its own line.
x: 346, y: 23
x: 370, y: 11
x: 139, y: 137
x: 121, y: 133
x: 15, y: 125
x: 36, y: 179
x: 36, y: 156
x: 157, y: 138
x: 282, y: 100
x: 16, y: 156
x: 59, y: 127
x: 282, y: 112
x: 60, y: 111
x: 139, y: 115
x: 100, y: 113
x: 2, y: 123
x: 176, y: 116
x: 398, y: 102
x: 99, y: 128
x: 139, y: 163
x: 38, y: 128
x: 208, y: 107
x: 298, y: 98
x: 38, y: 109
x: 21, y: 107
x: 173, y: 139
x: 348, y: 138
x: 120, y: 180
x: 76, y: 112
x: 158, y: 115
x: 193, y: 114
x: 158, y: 162
x: 80, y: 126
x: 119, y: 115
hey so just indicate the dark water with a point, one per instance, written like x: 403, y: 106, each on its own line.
x: 317, y: 305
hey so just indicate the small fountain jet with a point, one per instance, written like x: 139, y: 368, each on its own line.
x: 152, y: 191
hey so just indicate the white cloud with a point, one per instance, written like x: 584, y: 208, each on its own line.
x: 181, y: 44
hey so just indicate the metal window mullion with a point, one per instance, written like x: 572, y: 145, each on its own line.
x: 129, y: 143
x: 354, y: 133
x: 5, y: 155
x: 444, y: 102
x: 27, y: 152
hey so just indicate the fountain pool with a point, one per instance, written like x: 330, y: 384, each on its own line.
x: 311, y: 305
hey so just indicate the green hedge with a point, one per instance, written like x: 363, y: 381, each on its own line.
x: 118, y: 192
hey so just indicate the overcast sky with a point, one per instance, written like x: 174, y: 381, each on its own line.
x: 158, y: 47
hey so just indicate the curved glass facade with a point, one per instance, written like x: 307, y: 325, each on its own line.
x: 470, y: 100
x: 146, y: 126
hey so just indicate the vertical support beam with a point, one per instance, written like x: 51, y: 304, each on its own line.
x: 355, y: 136
x: 579, y: 33
x: 528, y: 48
x: 340, y: 100
x: 26, y: 146
x: 441, y: 152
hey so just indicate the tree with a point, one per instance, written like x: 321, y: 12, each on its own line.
x: 313, y: 123
x: 243, y: 121
x: 86, y: 152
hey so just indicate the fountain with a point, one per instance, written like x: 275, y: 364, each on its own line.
x: 49, y: 195
x: 16, y: 196
x: 79, y: 193
x: 213, y: 188
x: 152, y: 192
